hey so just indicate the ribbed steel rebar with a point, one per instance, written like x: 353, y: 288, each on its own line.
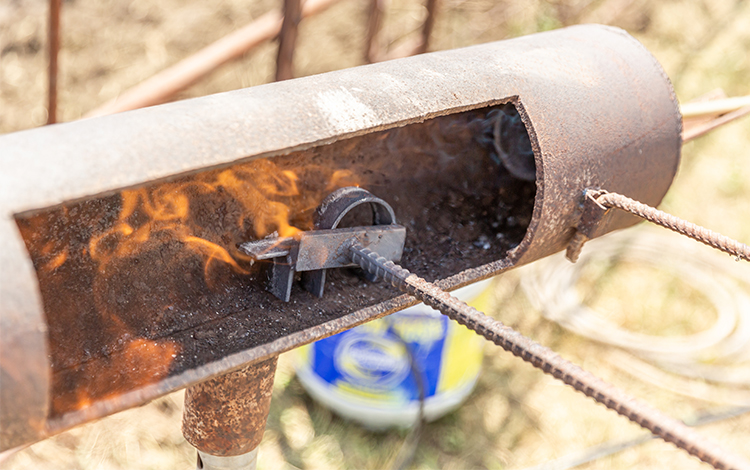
x: 689, y: 229
x: 667, y: 428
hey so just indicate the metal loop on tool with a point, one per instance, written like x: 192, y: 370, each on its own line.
x: 340, y: 202
x: 311, y: 253
x: 330, y: 213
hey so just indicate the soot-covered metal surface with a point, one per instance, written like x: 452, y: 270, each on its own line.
x: 147, y: 283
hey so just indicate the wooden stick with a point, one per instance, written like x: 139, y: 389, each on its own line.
x: 691, y: 132
x: 714, y: 107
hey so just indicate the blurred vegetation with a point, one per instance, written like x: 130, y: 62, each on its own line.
x: 516, y: 416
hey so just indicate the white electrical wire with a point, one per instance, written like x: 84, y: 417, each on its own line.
x: 719, y: 354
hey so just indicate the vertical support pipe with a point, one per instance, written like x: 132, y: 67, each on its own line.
x: 416, y: 45
x: 53, y: 42
x: 288, y: 39
x: 225, y: 417
x: 427, y: 27
x: 374, y: 20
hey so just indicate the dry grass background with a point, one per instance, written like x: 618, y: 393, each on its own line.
x: 516, y: 417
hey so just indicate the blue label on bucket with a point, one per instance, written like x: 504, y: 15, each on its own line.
x: 385, y: 356
x: 376, y: 372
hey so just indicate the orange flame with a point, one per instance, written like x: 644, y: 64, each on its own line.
x: 57, y: 261
x: 141, y: 362
x: 150, y: 358
x: 252, y: 186
x: 259, y: 187
x: 264, y: 192
x: 212, y: 252
x: 163, y: 229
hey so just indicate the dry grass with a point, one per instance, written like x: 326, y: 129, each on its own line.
x: 517, y: 416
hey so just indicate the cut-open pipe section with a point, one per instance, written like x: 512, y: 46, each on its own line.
x: 118, y: 235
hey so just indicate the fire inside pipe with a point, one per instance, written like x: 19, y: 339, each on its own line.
x: 87, y: 294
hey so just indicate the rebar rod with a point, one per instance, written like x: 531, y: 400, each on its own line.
x: 53, y: 43
x: 288, y: 40
x: 541, y: 357
x: 689, y: 229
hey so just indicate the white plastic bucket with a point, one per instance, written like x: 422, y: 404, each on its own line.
x: 367, y: 374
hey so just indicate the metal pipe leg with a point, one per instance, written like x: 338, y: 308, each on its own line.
x: 225, y: 417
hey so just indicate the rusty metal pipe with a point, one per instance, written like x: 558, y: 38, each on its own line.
x: 597, y: 106
x: 225, y: 417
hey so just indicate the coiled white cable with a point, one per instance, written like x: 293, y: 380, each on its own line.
x: 719, y: 354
